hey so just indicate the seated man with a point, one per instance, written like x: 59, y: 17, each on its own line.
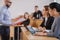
x: 37, y: 14
x: 54, y: 9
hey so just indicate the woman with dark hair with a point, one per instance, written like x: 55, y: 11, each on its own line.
x: 54, y: 10
x: 47, y: 19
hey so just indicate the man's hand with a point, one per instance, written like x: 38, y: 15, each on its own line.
x: 13, y: 24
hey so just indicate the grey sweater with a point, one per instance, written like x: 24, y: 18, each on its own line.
x: 55, y: 30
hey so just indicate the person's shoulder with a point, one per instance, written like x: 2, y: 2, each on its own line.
x: 34, y: 13
x: 28, y: 19
x: 51, y: 17
x: 57, y: 19
x: 2, y: 10
x: 39, y: 10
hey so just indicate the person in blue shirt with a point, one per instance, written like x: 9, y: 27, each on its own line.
x: 5, y: 21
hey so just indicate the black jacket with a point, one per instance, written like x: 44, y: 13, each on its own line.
x: 48, y: 23
x: 26, y: 22
x: 39, y: 13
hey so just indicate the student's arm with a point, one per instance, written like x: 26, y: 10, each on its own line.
x: 53, y: 28
x: 33, y: 15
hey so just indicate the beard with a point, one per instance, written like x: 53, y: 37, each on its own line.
x: 7, y: 6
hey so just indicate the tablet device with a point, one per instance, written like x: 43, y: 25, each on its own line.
x: 31, y: 29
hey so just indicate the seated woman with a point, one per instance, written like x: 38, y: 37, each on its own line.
x: 24, y: 19
x: 47, y: 19
x: 54, y: 10
x: 27, y: 20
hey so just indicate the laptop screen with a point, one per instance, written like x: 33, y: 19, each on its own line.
x: 31, y: 29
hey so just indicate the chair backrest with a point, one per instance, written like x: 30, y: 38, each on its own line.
x: 35, y: 23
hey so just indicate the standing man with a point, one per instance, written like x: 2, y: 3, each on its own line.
x: 5, y: 21
x: 37, y: 14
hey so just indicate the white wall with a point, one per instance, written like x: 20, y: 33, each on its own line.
x: 58, y: 1
x: 18, y: 7
x: 1, y: 2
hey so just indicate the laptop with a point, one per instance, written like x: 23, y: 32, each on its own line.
x: 31, y: 29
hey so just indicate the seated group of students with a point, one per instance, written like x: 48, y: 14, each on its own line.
x: 51, y: 20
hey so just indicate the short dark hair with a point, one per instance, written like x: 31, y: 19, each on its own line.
x: 36, y: 6
x: 46, y: 7
x: 55, y: 5
x: 10, y: 2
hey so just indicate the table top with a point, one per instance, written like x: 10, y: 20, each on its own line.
x: 30, y: 36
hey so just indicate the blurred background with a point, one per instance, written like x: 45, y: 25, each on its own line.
x: 18, y: 7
